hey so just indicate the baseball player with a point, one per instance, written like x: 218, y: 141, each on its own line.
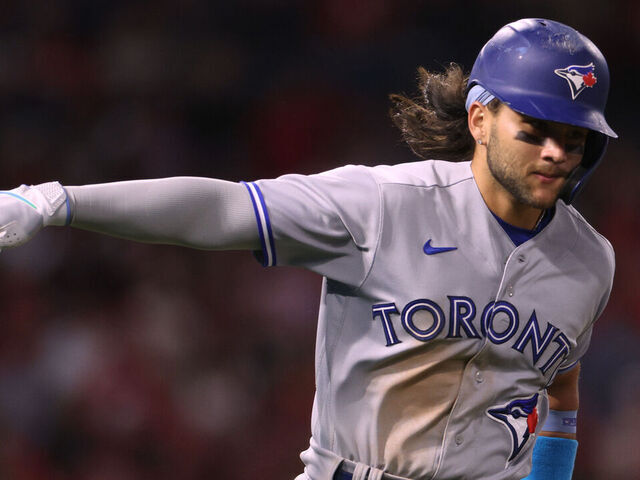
x: 458, y: 296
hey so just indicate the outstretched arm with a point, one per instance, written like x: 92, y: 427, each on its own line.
x: 189, y: 211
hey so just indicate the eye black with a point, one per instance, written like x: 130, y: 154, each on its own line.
x: 530, y: 138
x: 576, y: 148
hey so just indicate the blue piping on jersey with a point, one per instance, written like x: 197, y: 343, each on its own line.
x: 264, y: 226
x: 270, y: 244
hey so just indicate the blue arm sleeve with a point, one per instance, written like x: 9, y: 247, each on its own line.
x: 553, y: 458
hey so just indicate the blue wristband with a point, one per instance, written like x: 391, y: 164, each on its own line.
x: 553, y: 458
x: 565, y: 421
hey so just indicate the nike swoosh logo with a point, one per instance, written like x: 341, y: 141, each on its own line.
x: 429, y: 250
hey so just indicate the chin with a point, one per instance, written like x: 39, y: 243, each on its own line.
x: 544, y: 197
x: 548, y: 204
x: 543, y: 202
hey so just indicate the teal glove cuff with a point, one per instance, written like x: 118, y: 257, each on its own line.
x: 553, y: 458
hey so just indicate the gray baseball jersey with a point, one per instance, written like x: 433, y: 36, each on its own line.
x: 436, y: 335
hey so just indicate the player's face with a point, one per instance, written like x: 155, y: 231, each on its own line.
x: 532, y: 158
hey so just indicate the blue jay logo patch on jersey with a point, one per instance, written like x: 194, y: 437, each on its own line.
x: 520, y: 417
x: 578, y: 77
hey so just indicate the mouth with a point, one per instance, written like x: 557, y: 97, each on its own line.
x: 549, y: 177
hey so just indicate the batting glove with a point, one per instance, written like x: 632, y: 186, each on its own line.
x: 25, y: 210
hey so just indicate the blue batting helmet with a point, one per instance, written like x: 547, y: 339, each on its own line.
x: 549, y: 71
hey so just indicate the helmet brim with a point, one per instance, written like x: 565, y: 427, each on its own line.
x: 551, y: 109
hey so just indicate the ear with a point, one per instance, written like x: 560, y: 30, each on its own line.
x: 478, y: 120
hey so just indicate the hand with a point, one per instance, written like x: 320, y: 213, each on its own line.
x: 25, y: 210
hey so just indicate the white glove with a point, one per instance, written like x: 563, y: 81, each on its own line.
x: 25, y: 210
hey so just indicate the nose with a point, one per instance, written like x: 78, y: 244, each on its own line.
x: 554, y: 150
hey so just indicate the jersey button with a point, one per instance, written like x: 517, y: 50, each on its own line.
x: 510, y: 290
x: 479, y: 377
x: 459, y: 439
x: 522, y: 258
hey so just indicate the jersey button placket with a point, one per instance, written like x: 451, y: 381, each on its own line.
x: 521, y: 261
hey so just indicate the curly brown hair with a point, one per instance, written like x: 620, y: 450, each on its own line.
x: 434, y: 125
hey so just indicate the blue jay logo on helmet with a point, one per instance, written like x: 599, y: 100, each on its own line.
x: 578, y: 77
x: 520, y: 416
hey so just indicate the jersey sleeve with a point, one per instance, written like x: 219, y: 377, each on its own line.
x: 328, y: 222
x: 582, y: 345
x: 584, y: 339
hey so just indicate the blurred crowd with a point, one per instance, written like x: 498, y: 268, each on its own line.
x: 122, y: 361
